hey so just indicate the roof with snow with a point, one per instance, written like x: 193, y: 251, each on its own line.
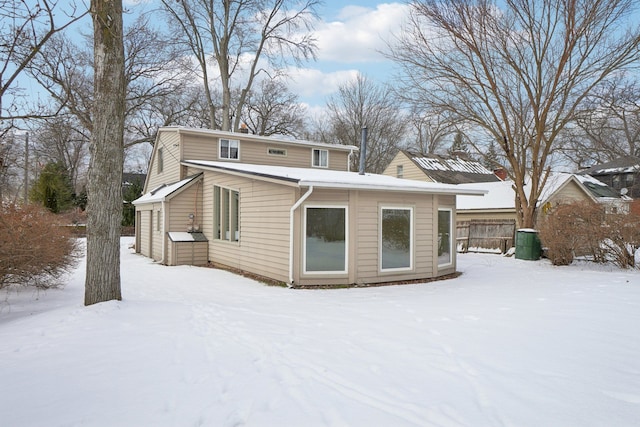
x: 501, y: 195
x: 625, y: 164
x: 324, y: 178
x: 455, y: 170
x: 165, y: 191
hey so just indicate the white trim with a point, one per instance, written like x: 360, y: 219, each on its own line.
x: 235, y: 159
x: 291, y: 231
x: 451, y: 237
x: 411, y: 235
x: 224, y: 237
x: 346, y: 240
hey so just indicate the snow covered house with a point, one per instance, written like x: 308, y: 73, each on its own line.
x: 434, y: 168
x: 290, y: 211
x: 621, y: 174
x: 499, y: 203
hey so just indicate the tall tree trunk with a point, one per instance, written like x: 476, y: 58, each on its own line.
x: 104, y: 209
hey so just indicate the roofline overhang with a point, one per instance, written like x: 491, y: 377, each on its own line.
x: 194, y: 178
x: 338, y: 185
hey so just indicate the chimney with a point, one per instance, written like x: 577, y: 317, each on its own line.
x: 363, y: 150
x: 501, y: 173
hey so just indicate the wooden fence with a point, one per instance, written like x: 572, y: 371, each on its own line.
x: 481, y: 235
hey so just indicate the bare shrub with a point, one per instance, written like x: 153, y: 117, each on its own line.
x: 583, y: 229
x: 34, y: 250
x: 622, y: 239
x: 572, y: 229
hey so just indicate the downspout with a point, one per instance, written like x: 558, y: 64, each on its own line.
x: 291, y: 212
x: 164, y: 242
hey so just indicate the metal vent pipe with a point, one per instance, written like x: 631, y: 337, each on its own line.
x: 363, y: 150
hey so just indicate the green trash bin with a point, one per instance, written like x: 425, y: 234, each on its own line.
x: 528, y: 244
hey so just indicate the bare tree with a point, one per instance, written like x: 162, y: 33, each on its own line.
x: 153, y: 72
x: 239, y: 37
x: 272, y: 110
x: 104, y: 209
x: 63, y: 140
x: 361, y: 103
x: 25, y: 27
x: 519, y: 71
x: 429, y: 130
x: 608, y: 127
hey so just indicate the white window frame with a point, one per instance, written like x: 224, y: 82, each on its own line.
x: 411, y: 235
x: 313, y: 158
x: 399, y: 171
x: 451, y: 237
x: 346, y: 241
x: 220, y: 205
x: 229, y: 142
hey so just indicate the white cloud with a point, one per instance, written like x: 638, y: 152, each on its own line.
x: 309, y: 82
x: 359, y: 33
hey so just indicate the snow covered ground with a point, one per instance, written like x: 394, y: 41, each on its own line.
x: 509, y: 343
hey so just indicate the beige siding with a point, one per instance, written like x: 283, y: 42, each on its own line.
x: 410, y: 170
x: 188, y: 202
x: 199, y: 147
x: 571, y: 192
x: 187, y: 253
x: 169, y: 142
x: 364, y: 210
x: 263, y: 248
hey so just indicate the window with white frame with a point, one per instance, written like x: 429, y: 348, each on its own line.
x: 226, y: 214
x: 445, y: 241
x: 396, y: 238
x: 229, y: 149
x: 400, y: 171
x: 320, y: 158
x: 325, y: 239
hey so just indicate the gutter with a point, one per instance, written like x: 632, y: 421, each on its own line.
x: 300, y: 201
x: 164, y: 237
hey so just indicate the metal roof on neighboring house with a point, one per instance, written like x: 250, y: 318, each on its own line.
x: 454, y: 170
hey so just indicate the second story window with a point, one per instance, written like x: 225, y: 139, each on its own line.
x: 400, y: 171
x: 320, y: 158
x: 229, y: 149
x: 160, y: 159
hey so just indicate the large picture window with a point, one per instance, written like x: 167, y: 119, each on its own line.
x: 396, y: 238
x: 445, y: 243
x: 229, y: 149
x: 325, y: 239
x: 226, y: 214
x: 320, y: 158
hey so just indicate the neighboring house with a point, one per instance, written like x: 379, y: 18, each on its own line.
x: 622, y: 174
x: 434, y: 168
x: 499, y: 203
x: 490, y: 222
x: 290, y: 211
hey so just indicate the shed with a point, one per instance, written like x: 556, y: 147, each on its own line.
x: 187, y: 248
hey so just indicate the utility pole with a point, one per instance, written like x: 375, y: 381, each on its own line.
x: 26, y: 168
